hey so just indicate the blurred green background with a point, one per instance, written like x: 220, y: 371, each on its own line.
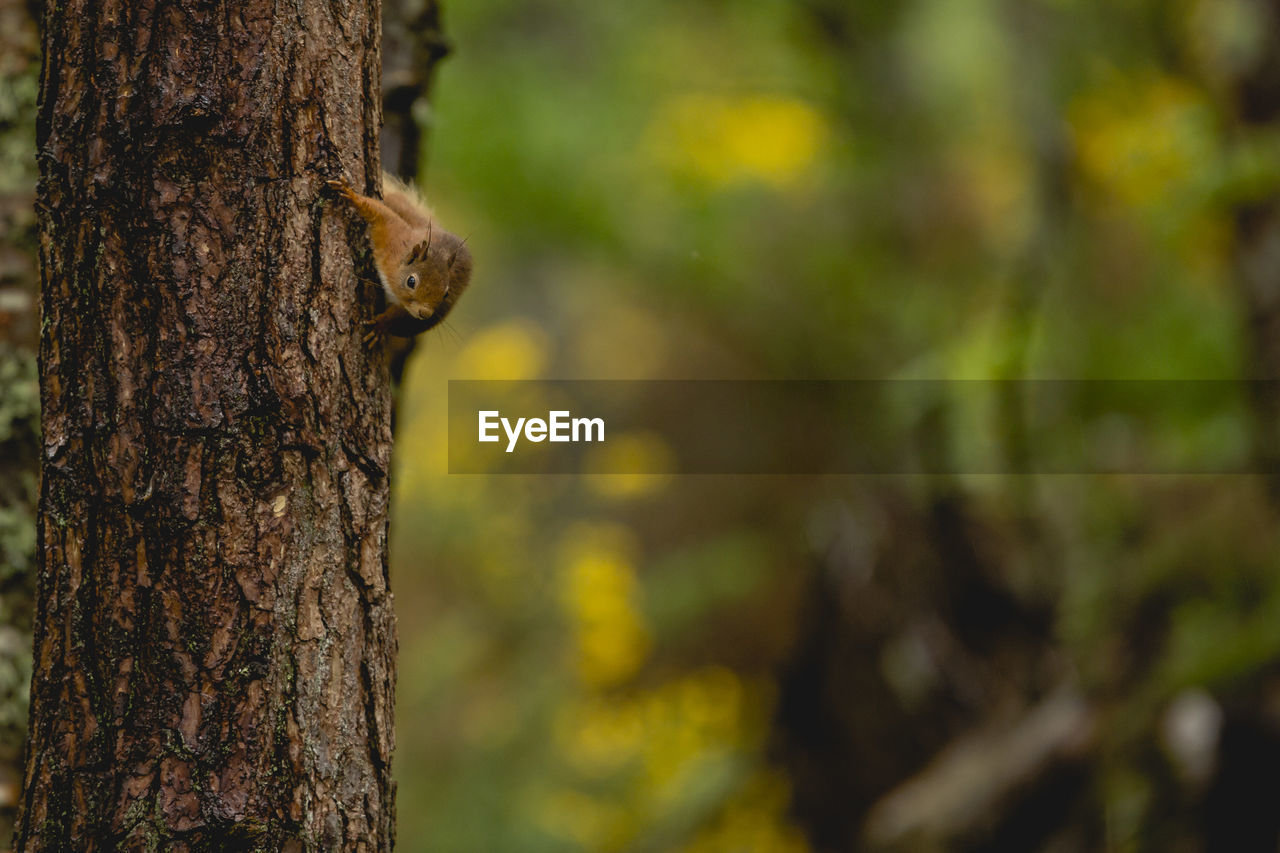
x: 825, y: 189
x: 732, y: 189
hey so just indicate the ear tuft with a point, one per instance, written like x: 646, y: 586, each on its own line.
x: 418, y: 252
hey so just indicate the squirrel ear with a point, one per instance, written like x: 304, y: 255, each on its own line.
x: 461, y: 246
x: 420, y: 251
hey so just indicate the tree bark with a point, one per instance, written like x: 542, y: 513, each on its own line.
x: 215, y: 642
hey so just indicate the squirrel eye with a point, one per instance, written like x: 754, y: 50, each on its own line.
x: 411, y: 282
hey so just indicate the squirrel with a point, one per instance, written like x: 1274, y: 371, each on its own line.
x: 423, y: 267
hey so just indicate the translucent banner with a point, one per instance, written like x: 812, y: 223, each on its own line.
x: 863, y: 427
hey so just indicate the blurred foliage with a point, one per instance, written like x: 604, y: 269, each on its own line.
x: 19, y: 388
x: 19, y: 428
x: 825, y: 189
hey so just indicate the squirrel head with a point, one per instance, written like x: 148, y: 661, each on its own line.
x: 433, y: 275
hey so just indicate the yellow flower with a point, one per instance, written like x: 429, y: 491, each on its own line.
x: 637, y: 464
x: 513, y: 350
x: 587, y: 820
x: 725, y: 140
x: 599, y: 592
x: 1142, y: 141
x: 754, y: 822
x: 600, y: 736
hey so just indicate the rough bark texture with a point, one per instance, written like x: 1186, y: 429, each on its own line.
x: 214, y: 651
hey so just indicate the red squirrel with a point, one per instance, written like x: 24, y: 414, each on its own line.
x: 423, y: 267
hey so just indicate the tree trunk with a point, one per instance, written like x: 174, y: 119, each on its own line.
x: 413, y: 43
x: 214, y: 650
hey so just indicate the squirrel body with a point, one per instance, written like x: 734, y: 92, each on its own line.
x: 423, y: 267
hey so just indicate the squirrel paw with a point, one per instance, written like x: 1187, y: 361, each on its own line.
x: 341, y: 187
x: 373, y: 336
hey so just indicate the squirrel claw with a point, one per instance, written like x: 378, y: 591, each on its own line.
x: 340, y: 186
x: 374, y: 335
